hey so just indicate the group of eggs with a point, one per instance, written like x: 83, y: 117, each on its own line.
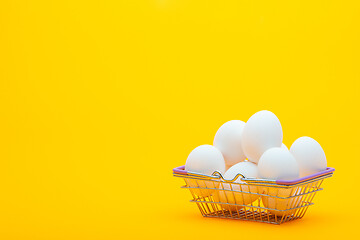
x: 255, y: 150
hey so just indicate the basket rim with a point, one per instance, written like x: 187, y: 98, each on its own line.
x: 181, y: 171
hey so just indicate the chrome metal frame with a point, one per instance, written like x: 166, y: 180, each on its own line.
x: 274, y: 203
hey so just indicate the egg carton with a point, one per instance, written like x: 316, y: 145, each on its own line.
x: 259, y: 200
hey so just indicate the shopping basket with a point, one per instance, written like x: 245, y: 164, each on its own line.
x: 259, y: 200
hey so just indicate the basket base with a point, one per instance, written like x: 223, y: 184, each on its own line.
x: 255, y: 216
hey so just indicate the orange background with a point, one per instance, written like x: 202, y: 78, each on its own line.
x: 99, y: 100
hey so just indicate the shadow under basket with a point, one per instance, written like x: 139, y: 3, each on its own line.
x: 259, y: 200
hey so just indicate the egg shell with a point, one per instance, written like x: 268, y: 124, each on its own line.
x: 201, y: 188
x: 309, y: 155
x: 205, y: 159
x: 261, y: 132
x: 278, y: 164
x: 228, y: 141
x: 280, y: 206
x: 249, y: 170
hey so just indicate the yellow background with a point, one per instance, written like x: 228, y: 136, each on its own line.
x: 99, y: 100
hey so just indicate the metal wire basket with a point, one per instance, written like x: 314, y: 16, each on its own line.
x: 259, y: 200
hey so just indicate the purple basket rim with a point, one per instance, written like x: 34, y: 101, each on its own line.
x: 328, y: 170
x: 180, y: 170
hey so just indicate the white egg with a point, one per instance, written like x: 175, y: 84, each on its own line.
x: 261, y: 132
x: 205, y: 159
x: 228, y: 141
x: 279, y: 206
x: 309, y: 155
x: 248, y: 170
x: 278, y: 164
x: 284, y: 146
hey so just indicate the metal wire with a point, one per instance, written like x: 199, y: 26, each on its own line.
x: 258, y: 200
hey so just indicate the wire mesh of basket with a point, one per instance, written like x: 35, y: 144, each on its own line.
x: 259, y: 200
